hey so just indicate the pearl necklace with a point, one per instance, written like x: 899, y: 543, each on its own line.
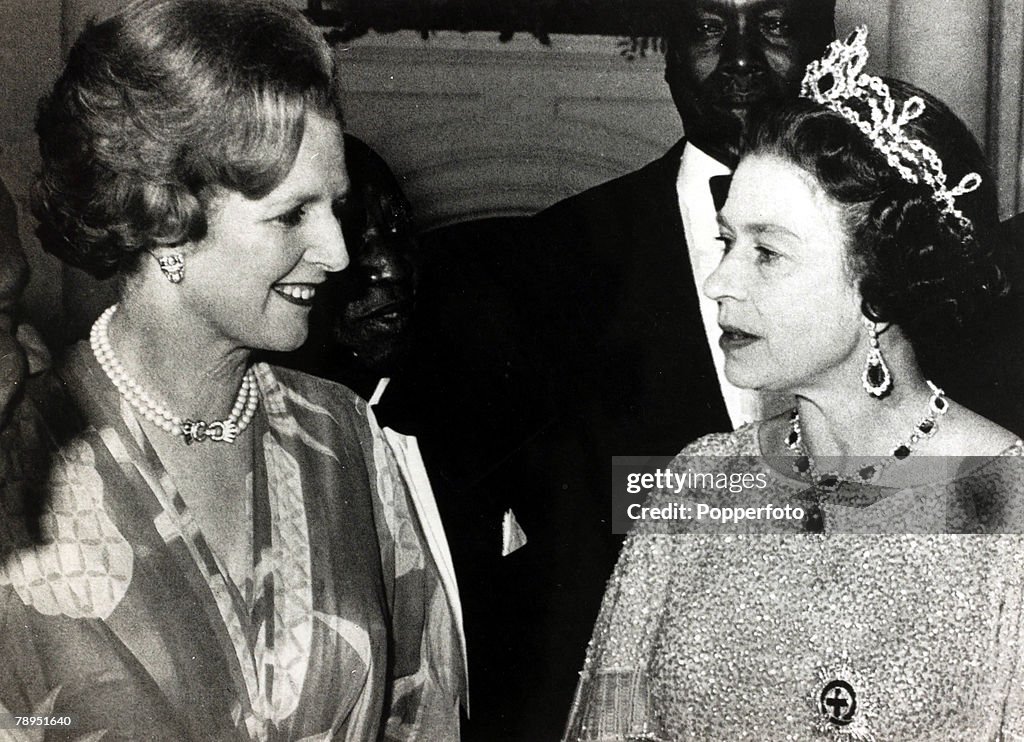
x: 830, y: 481
x: 193, y: 431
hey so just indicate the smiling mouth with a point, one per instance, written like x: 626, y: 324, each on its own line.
x: 296, y: 293
x: 390, y: 318
x: 392, y: 310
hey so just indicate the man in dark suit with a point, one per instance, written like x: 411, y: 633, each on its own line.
x: 633, y: 252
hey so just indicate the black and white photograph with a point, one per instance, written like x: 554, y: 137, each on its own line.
x: 512, y: 370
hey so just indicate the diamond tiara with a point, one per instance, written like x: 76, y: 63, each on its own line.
x: 838, y: 78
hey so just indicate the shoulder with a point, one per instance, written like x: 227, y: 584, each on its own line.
x: 315, y: 388
x: 632, y: 186
x: 967, y: 433
x: 328, y: 410
x: 705, y: 473
x: 987, y: 496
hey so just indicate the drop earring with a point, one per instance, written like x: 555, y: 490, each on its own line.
x: 877, y: 378
x: 172, y: 265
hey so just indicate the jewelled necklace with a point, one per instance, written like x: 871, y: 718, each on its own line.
x: 830, y: 481
x: 193, y: 431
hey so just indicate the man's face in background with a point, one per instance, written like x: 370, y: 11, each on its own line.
x: 726, y: 56
x: 373, y: 301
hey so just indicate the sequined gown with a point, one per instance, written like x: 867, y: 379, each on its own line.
x: 876, y: 635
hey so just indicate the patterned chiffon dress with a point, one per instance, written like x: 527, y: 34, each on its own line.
x: 887, y: 626
x: 128, y: 624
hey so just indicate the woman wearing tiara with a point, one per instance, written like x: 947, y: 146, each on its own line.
x: 228, y: 549
x: 848, y: 256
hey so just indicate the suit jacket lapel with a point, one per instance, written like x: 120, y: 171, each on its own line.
x: 658, y: 324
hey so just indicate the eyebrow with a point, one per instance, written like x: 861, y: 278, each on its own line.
x: 769, y: 228
x: 759, y: 228
x: 722, y: 5
x: 304, y: 197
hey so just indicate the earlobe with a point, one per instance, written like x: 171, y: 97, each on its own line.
x: 871, y: 320
x: 868, y: 312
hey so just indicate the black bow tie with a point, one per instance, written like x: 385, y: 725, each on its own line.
x: 719, y: 185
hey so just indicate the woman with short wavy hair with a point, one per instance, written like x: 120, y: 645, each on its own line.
x: 228, y: 550
x: 834, y: 596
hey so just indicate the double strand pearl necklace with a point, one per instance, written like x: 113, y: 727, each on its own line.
x: 193, y: 431
x: 830, y: 481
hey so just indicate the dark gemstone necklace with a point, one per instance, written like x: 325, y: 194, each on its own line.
x: 829, y: 481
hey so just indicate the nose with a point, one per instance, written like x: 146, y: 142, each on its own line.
x: 725, y: 281
x: 385, y: 261
x: 327, y: 245
x: 740, y: 53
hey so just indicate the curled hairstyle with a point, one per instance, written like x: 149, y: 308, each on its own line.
x: 162, y: 104
x: 915, y: 266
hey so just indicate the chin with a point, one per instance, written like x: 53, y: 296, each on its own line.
x: 749, y: 379
x: 284, y: 342
x: 739, y: 374
x: 749, y: 385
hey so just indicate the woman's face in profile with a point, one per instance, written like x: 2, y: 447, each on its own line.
x: 251, y: 280
x: 787, y: 305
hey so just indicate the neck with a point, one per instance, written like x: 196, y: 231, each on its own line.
x: 724, y: 146
x: 193, y: 374
x: 844, y: 420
